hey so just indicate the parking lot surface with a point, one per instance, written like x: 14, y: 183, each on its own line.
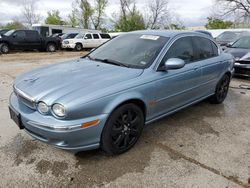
x: 202, y: 146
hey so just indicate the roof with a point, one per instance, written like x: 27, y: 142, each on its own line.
x: 167, y: 33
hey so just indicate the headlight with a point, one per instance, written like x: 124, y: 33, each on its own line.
x: 59, y: 110
x: 42, y: 108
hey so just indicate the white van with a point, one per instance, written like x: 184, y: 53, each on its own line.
x: 87, y: 40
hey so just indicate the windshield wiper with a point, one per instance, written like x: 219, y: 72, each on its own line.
x: 110, y: 61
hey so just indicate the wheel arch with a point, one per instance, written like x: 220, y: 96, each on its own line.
x: 136, y: 99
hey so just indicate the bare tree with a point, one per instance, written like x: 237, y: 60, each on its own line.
x: 30, y: 12
x: 157, y: 10
x: 236, y: 10
x: 99, y: 11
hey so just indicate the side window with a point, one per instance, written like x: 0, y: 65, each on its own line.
x: 105, y: 36
x: 20, y: 34
x: 182, y: 48
x: 215, y: 49
x: 33, y: 35
x: 88, y: 36
x: 204, y: 48
x: 96, y: 36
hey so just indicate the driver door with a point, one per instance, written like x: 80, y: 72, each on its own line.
x: 179, y: 87
x: 19, y: 40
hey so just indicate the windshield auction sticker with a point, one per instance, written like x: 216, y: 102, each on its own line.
x: 149, y: 37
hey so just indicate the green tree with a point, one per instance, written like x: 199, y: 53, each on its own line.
x: 173, y: 26
x: 98, y: 13
x: 73, y: 18
x: 86, y: 12
x: 215, y: 23
x: 53, y: 18
x: 13, y: 25
x: 130, y: 21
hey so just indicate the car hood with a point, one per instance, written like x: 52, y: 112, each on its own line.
x: 238, y: 53
x: 84, y: 77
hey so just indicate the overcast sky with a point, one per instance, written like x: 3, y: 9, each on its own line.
x: 191, y: 12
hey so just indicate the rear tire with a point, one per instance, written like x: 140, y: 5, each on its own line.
x: 221, y: 90
x: 51, y: 47
x: 4, y: 48
x: 122, y: 129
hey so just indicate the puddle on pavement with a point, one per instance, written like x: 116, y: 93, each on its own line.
x: 96, y: 168
x: 20, y: 149
x: 56, y: 167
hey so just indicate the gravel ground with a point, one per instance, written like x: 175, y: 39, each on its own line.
x: 202, y: 146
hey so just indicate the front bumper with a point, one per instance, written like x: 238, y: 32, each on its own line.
x: 242, y: 69
x: 71, y: 46
x: 77, y: 139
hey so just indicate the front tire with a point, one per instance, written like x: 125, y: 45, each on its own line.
x: 4, y: 48
x: 122, y: 129
x: 78, y: 47
x: 221, y: 90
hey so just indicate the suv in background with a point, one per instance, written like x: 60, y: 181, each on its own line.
x: 87, y: 40
x: 27, y: 40
x: 3, y: 31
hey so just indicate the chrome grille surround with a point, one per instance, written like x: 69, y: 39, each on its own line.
x: 24, y: 98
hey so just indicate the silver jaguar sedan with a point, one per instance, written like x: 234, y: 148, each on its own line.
x: 105, y: 98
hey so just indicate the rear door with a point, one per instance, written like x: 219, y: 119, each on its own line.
x: 33, y: 40
x: 207, y: 53
x: 97, y: 41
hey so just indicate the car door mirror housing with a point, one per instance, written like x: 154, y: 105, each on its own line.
x: 174, y: 63
x: 14, y: 35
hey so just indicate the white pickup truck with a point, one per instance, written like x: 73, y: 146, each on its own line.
x: 86, y: 40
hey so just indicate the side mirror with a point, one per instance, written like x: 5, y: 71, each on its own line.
x: 14, y: 35
x: 85, y: 38
x: 229, y: 45
x: 174, y: 63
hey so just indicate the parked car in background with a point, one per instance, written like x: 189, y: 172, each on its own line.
x: 229, y: 37
x: 27, y: 40
x: 3, y: 31
x: 87, y: 40
x: 105, y: 98
x: 57, y: 35
x: 205, y: 32
x: 241, y: 51
x: 69, y: 36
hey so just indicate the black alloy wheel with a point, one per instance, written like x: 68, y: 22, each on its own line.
x: 122, y: 129
x: 221, y: 90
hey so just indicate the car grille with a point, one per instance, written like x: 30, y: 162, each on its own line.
x: 242, y: 71
x: 25, y: 99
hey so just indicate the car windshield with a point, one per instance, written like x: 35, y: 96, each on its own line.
x: 130, y: 50
x: 69, y: 36
x: 229, y: 36
x: 9, y: 33
x: 79, y: 36
x: 242, y: 43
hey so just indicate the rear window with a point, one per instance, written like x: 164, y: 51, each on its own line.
x: 105, y: 36
x: 96, y: 36
x: 205, y: 48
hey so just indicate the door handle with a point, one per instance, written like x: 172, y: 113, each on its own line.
x: 196, y: 68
